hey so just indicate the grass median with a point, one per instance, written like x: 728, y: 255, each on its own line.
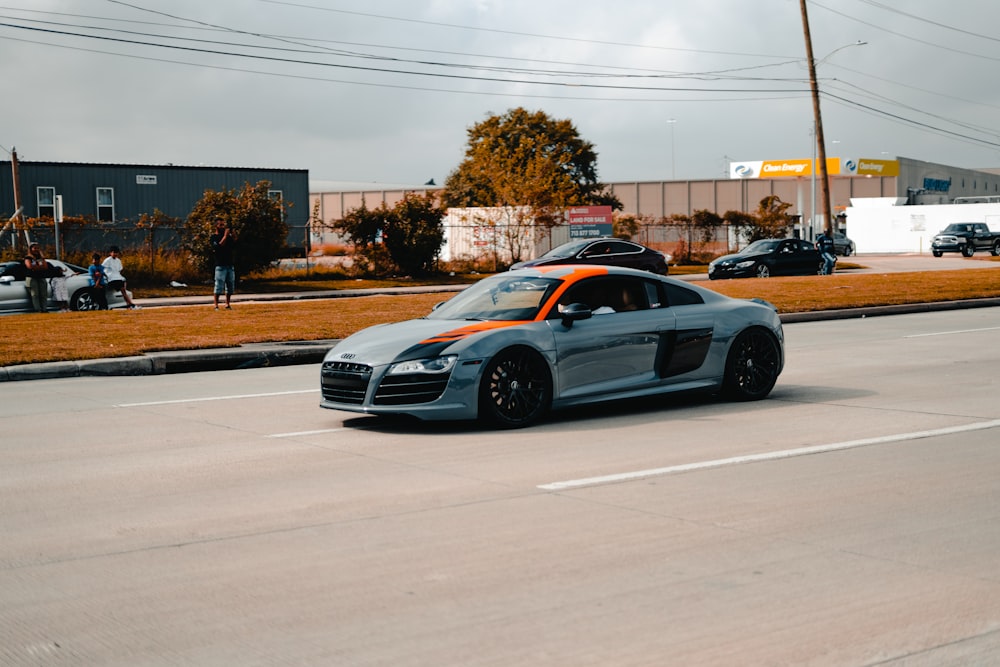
x: 34, y: 338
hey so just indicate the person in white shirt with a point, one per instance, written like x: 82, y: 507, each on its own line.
x: 113, y: 269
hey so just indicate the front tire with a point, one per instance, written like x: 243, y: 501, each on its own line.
x: 763, y: 271
x: 968, y: 250
x: 752, y: 366
x: 516, y: 389
x: 83, y: 299
x: 995, y: 250
x: 936, y: 253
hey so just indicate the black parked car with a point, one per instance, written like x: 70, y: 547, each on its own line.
x: 769, y: 257
x: 616, y: 252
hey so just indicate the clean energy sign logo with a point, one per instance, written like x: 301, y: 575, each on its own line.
x: 590, y: 222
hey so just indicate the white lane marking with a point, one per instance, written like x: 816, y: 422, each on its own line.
x: 949, y: 333
x: 215, y: 398
x: 298, y: 433
x: 767, y: 456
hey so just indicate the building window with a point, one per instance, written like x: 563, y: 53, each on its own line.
x: 46, y: 202
x: 106, y: 204
x: 276, y: 195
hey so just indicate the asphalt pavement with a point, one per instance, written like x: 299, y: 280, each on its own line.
x: 258, y: 355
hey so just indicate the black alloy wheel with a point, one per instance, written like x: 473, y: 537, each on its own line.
x: 516, y: 389
x: 83, y: 299
x: 752, y: 366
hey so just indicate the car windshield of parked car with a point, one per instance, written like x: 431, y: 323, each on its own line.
x: 500, y: 297
x: 761, y: 247
x: 566, y: 250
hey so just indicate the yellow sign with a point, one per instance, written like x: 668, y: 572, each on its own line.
x: 792, y: 168
x: 869, y: 167
x: 799, y: 168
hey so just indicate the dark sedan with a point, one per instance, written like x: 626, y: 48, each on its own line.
x: 768, y: 257
x: 843, y: 245
x: 604, y: 251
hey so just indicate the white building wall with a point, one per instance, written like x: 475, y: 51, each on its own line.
x: 884, y: 224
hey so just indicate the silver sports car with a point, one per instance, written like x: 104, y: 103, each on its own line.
x: 14, y: 297
x: 515, y: 345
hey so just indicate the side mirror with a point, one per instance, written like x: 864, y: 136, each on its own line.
x: 575, y: 312
x: 6, y: 279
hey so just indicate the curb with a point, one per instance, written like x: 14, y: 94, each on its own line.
x: 254, y: 355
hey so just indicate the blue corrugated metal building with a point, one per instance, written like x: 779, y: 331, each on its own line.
x: 120, y: 193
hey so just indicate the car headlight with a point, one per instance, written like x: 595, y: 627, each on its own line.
x: 745, y: 264
x: 435, y: 365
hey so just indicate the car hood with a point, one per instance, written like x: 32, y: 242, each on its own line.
x: 736, y: 257
x: 412, y: 339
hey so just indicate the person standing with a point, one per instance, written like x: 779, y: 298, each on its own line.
x: 60, y: 292
x: 113, y: 270
x: 824, y: 243
x: 98, y: 282
x: 223, y: 244
x: 37, y: 278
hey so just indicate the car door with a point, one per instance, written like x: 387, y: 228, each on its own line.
x: 14, y: 296
x: 786, y: 260
x: 617, y: 347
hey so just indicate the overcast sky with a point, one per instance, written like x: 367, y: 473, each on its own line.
x: 383, y: 91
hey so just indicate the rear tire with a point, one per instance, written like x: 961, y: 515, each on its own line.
x: 752, y: 366
x: 516, y: 389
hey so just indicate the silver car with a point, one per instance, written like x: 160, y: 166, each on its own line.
x: 515, y: 345
x: 14, y: 297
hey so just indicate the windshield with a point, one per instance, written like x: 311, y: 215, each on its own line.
x: 760, y: 247
x: 567, y: 249
x: 500, y: 297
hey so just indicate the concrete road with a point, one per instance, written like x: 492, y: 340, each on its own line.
x: 224, y: 519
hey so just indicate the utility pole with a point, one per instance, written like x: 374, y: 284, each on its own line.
x: 18, y: 208
x: 818, y: 121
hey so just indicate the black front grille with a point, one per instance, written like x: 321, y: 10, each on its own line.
x: 409, y: 389
x: 344, y: 382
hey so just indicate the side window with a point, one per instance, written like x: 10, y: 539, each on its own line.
x: 46, y: 202
x: 106, y: 204
x: 278, y: 196
x: 607, y: 295
x: 622, y: 247
x: 678, y: 295
x: 597, y: 249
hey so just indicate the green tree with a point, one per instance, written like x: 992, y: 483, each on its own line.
x: 414, y: 233
x: 530, y: 167
x: 769, y: 221
x: 627, y: 226
x: 363, y: 227
x: 257, y: 219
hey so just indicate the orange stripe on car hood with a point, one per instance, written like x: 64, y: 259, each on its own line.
x: 471, y: 330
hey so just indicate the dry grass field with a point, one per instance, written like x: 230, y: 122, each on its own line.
x: 68, y: 336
